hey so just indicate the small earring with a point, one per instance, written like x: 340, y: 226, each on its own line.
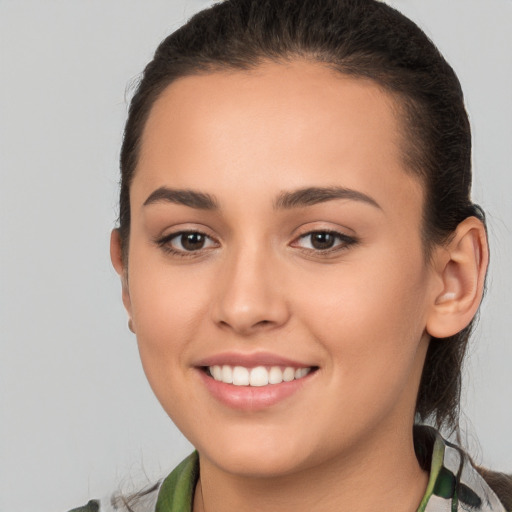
x: 130, y: 325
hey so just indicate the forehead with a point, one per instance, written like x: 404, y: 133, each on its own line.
x: 288, y: 124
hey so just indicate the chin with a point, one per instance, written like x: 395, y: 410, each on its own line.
x: 260, y: 456
x: 258, y: 465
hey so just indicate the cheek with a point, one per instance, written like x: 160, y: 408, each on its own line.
x: 166, y: 310
x: 166, y: 307
x: 370, y: 316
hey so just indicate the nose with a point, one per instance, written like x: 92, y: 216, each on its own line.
x: 250, y: 297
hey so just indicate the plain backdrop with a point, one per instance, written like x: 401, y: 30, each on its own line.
x: 78, y: 419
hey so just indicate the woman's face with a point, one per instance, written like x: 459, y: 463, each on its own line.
x: 274, y: 226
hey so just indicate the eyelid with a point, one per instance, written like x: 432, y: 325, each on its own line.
x: 344, y: 241
x: 164, y: 242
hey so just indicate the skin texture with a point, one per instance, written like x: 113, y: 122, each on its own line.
x: 361, y: 313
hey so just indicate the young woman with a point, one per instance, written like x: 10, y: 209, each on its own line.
x: 301, y: 261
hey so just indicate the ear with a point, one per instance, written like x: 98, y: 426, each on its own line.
x: 461, y: 266
x: 116, y: 256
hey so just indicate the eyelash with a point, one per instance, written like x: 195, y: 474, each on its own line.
x: 164, y: 243
x: 344, y: 242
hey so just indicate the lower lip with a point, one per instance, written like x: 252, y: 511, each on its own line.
x: 252, y: 398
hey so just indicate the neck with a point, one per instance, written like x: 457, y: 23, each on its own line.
x: 382, y: 474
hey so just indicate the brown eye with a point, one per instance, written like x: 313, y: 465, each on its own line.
x: 322, y: 240
x: 186, y: 242
x: 192, y: 241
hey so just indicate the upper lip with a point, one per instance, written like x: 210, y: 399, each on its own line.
x: 250, y: 360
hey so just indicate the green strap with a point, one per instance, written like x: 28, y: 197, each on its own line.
x: 435, y: 469
x: 177, y: 491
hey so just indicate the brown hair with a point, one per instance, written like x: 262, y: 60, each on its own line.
x: 361, y: 38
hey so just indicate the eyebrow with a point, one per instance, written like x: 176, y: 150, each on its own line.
x: 191, y: 198
x: 314, y: 195
x: 285, y: 200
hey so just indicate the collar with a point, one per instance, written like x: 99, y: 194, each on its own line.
x: 454, y: 484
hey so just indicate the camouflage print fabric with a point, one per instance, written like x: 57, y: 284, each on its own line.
x: 454, y: 485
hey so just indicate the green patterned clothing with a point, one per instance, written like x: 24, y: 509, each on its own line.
x: 454, y: 484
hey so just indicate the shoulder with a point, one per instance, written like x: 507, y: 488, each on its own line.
x: 142, y: 501
x: 455, y: 482
x: 500, y: 483
x: 174, y: 494
x: 92, y: 506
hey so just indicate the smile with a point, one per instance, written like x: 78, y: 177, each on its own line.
x: 254, y: 382
x: 258, y: 376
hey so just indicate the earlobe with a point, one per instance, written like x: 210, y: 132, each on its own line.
x: 461, y: 266
x: 116, y: 256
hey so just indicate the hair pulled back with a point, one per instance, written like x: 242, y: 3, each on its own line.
x: 360, y: 38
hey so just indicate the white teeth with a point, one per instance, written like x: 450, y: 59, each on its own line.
x: 275, y: 376
x: 301, y: 372
x: 240, y: 376
x: 258, y: 376
x: 288, y: 374
x: 227, y: 374
x: 217, y: 373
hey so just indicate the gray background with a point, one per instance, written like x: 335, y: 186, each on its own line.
x: 77, y: 417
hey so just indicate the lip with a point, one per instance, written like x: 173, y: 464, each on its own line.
x: 251, y: 360
x: 249, y: 398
